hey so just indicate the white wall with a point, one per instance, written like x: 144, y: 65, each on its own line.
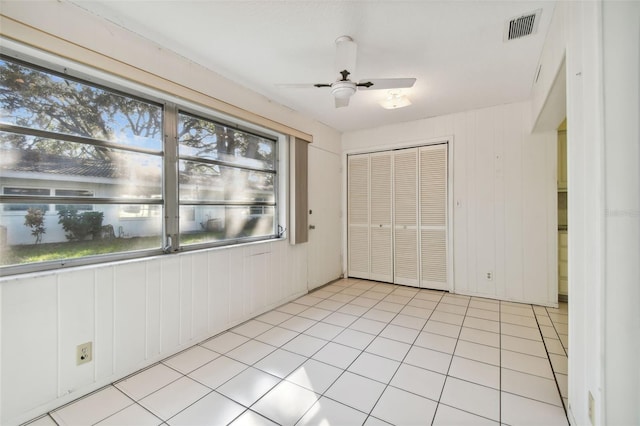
x: 135, y: 313
x: 621, y: 60
x: 504, y: 183
x: 141, y: 311
x: 600, y: 43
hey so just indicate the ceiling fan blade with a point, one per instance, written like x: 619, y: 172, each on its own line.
x: 298, y: 86
x: 341, y: 102
x: 346, y: 50
x: 386, y: 83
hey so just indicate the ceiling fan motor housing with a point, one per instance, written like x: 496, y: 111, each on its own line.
x: 343, y: 89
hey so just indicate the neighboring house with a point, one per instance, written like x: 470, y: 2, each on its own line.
x: 60, y: 176
x: 26, y: 173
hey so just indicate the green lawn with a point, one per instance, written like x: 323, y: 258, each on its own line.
x: 32, y: 253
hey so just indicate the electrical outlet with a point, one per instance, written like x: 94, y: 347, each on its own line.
x: 592, y: 409
x: 84, y: 353
x: 489, y: 275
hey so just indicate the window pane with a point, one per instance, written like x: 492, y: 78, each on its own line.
x: 7, y: 190
x: 103, y: 172
x: 140, y: 211
x: 23, y: 208
x: 206, y: 139
x: 208, y: 182
x: 202, y: 224
x: 25, y: 192
x: 41, y: 100
x: 69, y: 233
x: 80, y: 207
x: 74, y: 193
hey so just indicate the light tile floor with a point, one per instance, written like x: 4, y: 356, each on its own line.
x: 355, y: 352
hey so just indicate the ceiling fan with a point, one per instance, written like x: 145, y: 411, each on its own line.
x: 343, y: 88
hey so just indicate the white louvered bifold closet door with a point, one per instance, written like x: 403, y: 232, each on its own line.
x: 405, y: 188
x: 433, y: 217
x: 381, y: 267
x: 358, y: 216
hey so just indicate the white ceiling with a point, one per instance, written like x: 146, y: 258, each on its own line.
x: 455, y: 49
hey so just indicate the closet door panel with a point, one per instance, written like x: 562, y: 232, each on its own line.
x: 358, y: 216
x: 406, y: 257
x: 433, y: 259
x: 381, y: 254
x: 381, y: 208
x: 433, y: 217
x: 358, y: 252
x: 405, y: 197
x: 405, y: 187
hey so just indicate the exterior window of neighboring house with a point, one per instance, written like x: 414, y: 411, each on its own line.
x: 74, y: 193
x: 65, y: 140
x: 25, y: 192
x: 44, y: 192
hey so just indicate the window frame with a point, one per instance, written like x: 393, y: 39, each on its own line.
x: 275, y: 172
x: 169, y: 204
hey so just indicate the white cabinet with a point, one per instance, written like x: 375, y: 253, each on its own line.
x: 563, y: 263
x: 562, y: 160
x: 398, y: 216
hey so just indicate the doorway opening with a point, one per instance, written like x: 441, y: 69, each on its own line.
x: 563, y: 226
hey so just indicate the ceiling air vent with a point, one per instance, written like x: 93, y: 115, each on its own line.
x: 522, y: 26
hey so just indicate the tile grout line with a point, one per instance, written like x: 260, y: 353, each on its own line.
x: 344, y: 370
x: 555, y: 378
x: 310, y: 357
x: 405, y: 355
x: 224, y: 354
x: 440, y: 301
x: 248, y: 408
x: 388, y: 322
x: 553, y: 324
x: 452, y: 355
x: 134, y: 403
x: 330, y: 341
x: 500, y: 360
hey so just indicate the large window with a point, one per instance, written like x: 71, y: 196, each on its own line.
x: 89, y: 173
x: 227, y: 182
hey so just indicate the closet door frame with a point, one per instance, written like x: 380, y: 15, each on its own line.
x: 450, y: 196
x: 434, y: 228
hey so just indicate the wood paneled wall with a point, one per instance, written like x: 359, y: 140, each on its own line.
x: 135, y: 313
x: 504, y: 198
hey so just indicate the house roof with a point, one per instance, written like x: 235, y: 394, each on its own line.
x: 39, y: 165
x: 23, y: 163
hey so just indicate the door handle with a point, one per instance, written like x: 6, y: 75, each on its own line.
x: 312, y: 227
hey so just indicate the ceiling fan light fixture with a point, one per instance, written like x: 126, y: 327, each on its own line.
x: 343, y: 89
x: 394, y: 101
